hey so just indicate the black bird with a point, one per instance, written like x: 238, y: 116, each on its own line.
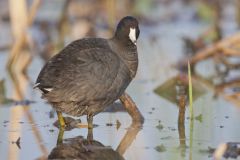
x: 79, y: 148
x: 91, y: 73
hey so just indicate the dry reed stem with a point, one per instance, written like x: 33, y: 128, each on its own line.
x: 221, y: 46
x: 20, y: 83
x: 131, y: 108
x: 21, y: 39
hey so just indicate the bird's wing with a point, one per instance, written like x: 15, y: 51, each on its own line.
x: 80, y: 78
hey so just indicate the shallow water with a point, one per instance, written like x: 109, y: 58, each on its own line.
x: 159, y: 136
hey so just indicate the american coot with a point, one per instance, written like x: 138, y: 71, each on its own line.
x: 79, y: 148
x: 91, y: 73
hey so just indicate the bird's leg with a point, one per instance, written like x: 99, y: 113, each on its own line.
x: 61, y: 120
x: 60, y: 136
x: 90, y: 121
x: 131, y: 108
x: 90, y: 135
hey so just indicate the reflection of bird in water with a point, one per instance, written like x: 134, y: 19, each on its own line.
x: 90, y: 74
x: 80, y: 148
x: 90, y: 149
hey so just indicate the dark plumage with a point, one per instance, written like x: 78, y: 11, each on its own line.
x: 91, y: 73
x: 79, y: 148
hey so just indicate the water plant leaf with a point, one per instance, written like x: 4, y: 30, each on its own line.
x: 118, y: 124
x: 199, y: 118
x: 160, y: 148
x: 159, y: 126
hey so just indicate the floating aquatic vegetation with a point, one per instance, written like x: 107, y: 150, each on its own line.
x: 160, y: 148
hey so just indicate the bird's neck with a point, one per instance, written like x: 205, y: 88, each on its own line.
x: 124, y: 41
x: 127, y: 51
